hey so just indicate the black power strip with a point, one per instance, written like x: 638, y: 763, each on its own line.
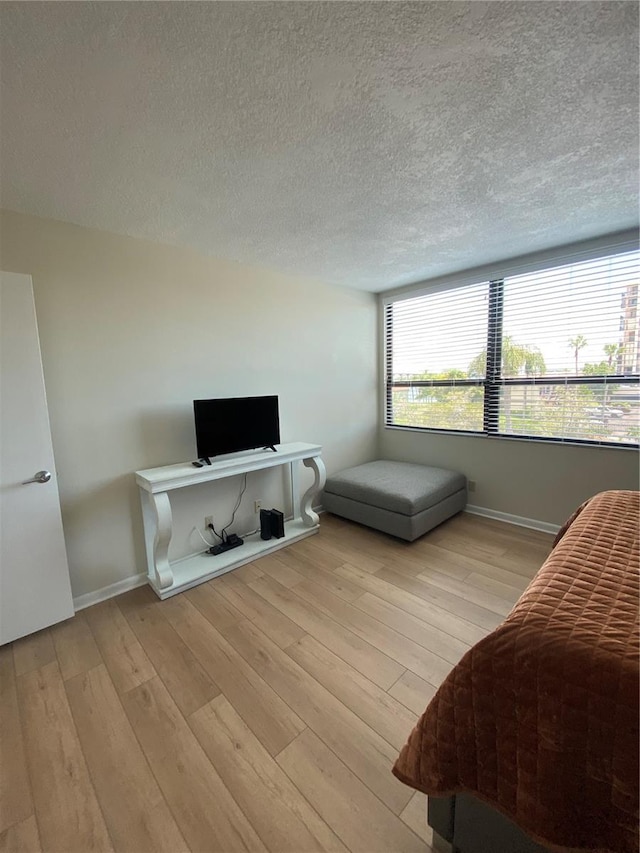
x: 232, y: 541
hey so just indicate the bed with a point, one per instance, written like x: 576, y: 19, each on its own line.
x: 531, y: 742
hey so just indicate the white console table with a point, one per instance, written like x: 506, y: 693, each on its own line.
x: 156, y: 484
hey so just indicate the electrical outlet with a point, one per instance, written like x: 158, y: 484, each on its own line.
x: 207, y: 521
x: 257, y: 506
x: 472, y: 485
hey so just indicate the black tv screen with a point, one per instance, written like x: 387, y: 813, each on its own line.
x: 230, y: 424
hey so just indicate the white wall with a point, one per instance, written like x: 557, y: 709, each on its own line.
x: 132, y: 332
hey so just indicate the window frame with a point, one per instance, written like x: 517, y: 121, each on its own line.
x: 493, y: 381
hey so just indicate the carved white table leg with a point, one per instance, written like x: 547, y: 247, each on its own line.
x: 309, y: 516
x: 295, y: 490
x: 156, y: 514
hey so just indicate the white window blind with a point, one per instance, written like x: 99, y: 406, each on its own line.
x: 553, y: 354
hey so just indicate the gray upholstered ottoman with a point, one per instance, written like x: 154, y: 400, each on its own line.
x: 400, y: 498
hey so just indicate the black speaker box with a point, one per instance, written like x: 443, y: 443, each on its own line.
x: 265, y: 524
x: 277, y: 523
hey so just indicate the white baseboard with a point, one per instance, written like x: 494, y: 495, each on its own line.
x: 110, y: 591
x: 532, y: 523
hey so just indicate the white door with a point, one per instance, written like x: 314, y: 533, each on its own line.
x: 34, y: 574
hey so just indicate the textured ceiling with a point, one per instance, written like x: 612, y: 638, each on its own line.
x: 365, y: 144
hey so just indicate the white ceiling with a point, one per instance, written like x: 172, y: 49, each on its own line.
x: 365, y: 144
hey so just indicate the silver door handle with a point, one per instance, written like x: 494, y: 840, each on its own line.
x: 38, y: 477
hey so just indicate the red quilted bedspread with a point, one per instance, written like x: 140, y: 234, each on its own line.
x: 540, y: 718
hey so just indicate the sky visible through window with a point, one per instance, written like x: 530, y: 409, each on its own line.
x: 548, y: 309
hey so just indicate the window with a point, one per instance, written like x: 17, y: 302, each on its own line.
x: 552, y: 355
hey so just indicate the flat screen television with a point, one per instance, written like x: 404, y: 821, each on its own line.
x: 230, y: 424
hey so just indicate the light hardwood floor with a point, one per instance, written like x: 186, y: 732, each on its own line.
x: 261, y: 711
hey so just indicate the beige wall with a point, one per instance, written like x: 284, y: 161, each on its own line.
x: 534, y: 480
x: 132, y: 331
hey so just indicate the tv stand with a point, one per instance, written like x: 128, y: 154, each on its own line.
x: 156, y: 484
x: 271, y: 447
